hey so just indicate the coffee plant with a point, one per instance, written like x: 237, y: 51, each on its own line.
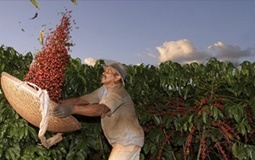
x: 192, y: 111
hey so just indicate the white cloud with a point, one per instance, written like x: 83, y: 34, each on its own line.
x: 233, y: 53
x: 90, y: 61
x: 181, y: 51
x: 152, y: 55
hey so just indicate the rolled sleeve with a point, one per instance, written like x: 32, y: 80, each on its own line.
x: 113, y: 101
x: 95, y: 96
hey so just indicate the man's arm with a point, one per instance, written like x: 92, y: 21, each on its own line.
x: 91, y: 110
x: 74, y: 101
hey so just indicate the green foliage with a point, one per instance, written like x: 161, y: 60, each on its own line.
x: 191, y: 111
x: 36, y: 4
x: 81, y: 79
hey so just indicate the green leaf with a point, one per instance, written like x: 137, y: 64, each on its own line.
x: 185, y: 127
x: 205, y: 115
x: 191, y: 118
x: 74, y: 1
x: 35, y: 3
x: 177, y: 139
x: 146, y: 147
x: 167, y: 121
x: 243, y: 151
x: 236, y: 112
x: 2, y: 67
x: 12, y: 153
x: 241, y: 128
x: 41, y: 36
x: 235, y: 150
x: 167, y: 153
x: 32, y: 133
x: 177, y: 124
x: 156, y: 119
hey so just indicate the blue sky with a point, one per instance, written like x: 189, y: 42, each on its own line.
x: 135, y: 32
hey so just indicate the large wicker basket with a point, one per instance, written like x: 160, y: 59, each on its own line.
x: 26, y: 102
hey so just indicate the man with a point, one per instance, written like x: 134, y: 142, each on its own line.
x: 115, y: 106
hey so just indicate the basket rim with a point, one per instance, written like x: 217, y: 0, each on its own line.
x: 18, y: 93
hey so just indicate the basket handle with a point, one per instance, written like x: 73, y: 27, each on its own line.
x: 34, y: 86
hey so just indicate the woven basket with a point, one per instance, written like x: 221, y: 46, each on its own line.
x: 26, y: 102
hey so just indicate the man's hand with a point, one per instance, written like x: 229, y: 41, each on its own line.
x: 63, y: 110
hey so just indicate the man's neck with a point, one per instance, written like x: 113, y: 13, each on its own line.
x: 109, y: 86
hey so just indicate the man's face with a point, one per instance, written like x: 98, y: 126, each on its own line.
x: 109, y: 76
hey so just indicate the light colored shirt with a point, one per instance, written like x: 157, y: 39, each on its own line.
x: 120, y: 125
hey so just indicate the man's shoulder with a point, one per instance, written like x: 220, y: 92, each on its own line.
x: 120, y: 90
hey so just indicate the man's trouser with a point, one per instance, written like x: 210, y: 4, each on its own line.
x: 120, y: 152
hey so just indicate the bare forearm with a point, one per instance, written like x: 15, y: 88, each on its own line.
x: 92, y: 110
x: 74, y: 101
